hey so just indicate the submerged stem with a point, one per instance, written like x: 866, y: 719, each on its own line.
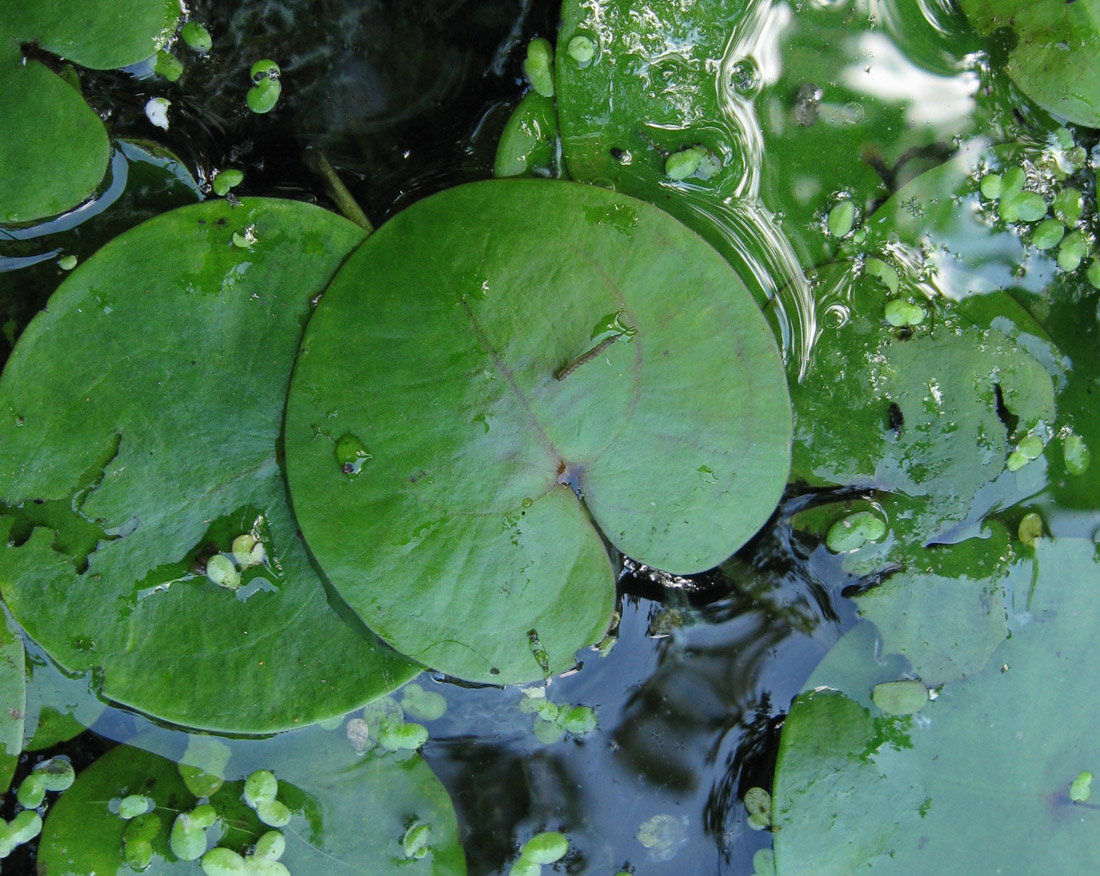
x: 339, y: 193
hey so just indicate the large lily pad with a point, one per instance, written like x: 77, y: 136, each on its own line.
x: 348, y: 812
x: 978, y: 780
x: 1056, y: 59
x: 53, y: 147
x: 142, y: 417
x: 439, y: 442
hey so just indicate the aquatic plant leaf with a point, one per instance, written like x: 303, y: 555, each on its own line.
x: 925, y: 403
x: 39, y: 108
x: 327, y: 793
x: 984, y: 778
x: 944, y: 610
x: 142, y: 415
x: 1056, y: 59
x: 466, y: 367
x: 13, y: 698
x: 941, y: 606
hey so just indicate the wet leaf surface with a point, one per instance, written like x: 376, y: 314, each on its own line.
x: 468, y: 377
x: 143, y: 411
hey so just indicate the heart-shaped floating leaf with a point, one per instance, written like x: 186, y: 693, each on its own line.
x: 1056, y: 59
x: 485, y: 351
x: 38, y: 107
x: 979, y: 780
x: 348, y: 813
x: 142, y: 414
x: 13, y: 697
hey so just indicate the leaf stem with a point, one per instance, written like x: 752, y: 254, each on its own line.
x: 339, y: 193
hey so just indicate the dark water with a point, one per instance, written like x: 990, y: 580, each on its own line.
x: 405, y: 99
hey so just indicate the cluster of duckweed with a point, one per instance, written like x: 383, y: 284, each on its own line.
x: 553, y: 720
x: 246, y: 552
x: 383, y: 724
x: 1054, y: 225
x: 1076, y: 455
x: 189, y: 835
x: 548, y: 847
x: 53, y: 775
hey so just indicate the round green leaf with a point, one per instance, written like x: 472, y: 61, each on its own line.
x: 141, y: 420
x: 496, y: 375
x: 37, y: 106
x: 1056, y: 59
x: 347, y: 812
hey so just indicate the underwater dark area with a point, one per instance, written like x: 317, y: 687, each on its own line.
x: 769, y: 545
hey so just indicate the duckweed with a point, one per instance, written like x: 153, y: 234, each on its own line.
x: 67, y: 262
x: 545, y: 848
x: 31, y: 792
x: 525, y: 867
x: 221, y: 571
x: 186, y: 840
x: 133, y: 805
x: 248, y: 551
x: 223, y: 862
x: 1080, y: 789
x: 1071, y: 253
x: 841, y: 218
x: 270, y: 846
x: 196, y: 37
x: 265, y: 867
x: 548, y: 732
x: 422, y: 704
x: 1068, y: 205
x: 267, y: 87
x: 168, y: 66
x: 1030, y: 529
x: 577, y: 720
x: 538, y: 67
x: 899, y: 312
x: 261, y: 786
x: 224, y: 180
x: 990, y: 186
x: 582, y: 50
x: 878, y: 268
x: 1093, y: 273
x: 56, y: 774
x: 204, y: 770
x: 1047, y: 234
x: 854, y: 531
x: 1023, y: 207
x: 415, y: 842
x: 680, y: 165
x: 1076, y: 454
x: 1031, y: 446
x: 24, y: 827
x: 758, y: 804
x: 137, y: 840
x: 1016, y: 461
x: 273, y: 813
